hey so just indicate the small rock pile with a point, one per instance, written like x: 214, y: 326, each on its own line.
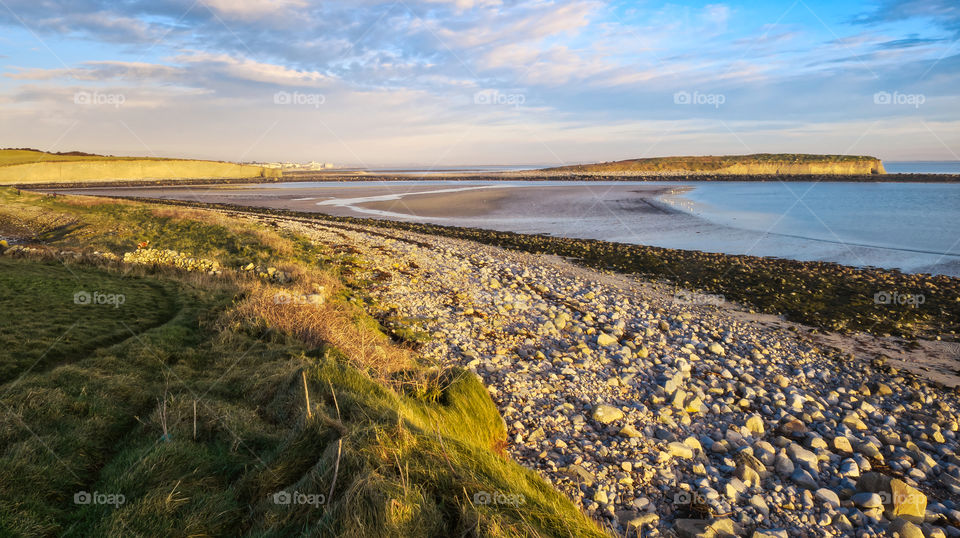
x: 172, y: 258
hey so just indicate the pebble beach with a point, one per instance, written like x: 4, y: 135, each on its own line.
x: 667, y: 412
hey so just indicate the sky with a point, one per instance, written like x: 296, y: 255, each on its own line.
x: 452, y: 82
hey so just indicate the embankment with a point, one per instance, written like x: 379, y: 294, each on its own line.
x: 137, y: 169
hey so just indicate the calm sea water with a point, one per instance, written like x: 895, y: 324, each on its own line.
x: 874, y: 223
x: 922, y: 167
x: 914, y: 227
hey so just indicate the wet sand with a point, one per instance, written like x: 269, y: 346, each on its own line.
x: 434, y: 201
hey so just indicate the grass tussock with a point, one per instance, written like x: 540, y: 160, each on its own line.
x: 334, y: 322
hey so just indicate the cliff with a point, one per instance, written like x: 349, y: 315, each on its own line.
x: 764, y: 163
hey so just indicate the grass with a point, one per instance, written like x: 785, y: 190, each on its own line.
x: 10, y: 157
x: 391, y: 446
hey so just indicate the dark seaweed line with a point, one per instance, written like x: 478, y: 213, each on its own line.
x: 822, y: 294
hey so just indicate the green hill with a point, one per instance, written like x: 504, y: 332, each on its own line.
x: 26, y: 166
x: 760, y: 163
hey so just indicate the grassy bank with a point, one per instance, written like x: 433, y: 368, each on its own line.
x: 173, y: 402
x: 823, y: 294
x: 27, y: 167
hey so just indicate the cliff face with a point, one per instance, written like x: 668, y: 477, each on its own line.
x: 760, y: 164
x: 69, y: 171
x: 838, y: 168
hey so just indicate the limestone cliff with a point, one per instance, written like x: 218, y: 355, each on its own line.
x: 765, y: 163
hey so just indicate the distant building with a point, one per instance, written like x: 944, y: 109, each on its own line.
x: 311, y: 166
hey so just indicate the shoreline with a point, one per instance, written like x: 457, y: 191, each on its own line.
x: 631, y: 398
x: 502, y: 176
x: 826, y: 295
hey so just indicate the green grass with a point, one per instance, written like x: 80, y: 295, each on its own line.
x: 10, y: 157
x: 113, y: 412
x: 55, y: 328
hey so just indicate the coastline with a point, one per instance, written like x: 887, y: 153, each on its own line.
x: 826, y: 295
x: 627, y: 391
x: 500, y: 176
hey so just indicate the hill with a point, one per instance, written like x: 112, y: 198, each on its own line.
x: 760, y: 163
x: 27, y: 166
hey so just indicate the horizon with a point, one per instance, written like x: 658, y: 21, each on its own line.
x: 435, y: 83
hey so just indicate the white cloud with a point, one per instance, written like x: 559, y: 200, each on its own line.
x: 253, y: 9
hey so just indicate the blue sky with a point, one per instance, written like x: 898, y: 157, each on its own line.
x: 442, y: 82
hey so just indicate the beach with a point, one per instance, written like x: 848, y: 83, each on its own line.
x: 912, y: 227
x: 621, y: 391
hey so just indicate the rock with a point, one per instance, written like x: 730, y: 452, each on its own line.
x: 874, y: 483
x: 605, y: 340
x: 606, y: 414
x: 748, y: 475
x: 906, y: 529
x: 579, y: 474
x: 868, y: 500
x: 842, y: 523
x: 849, y: 468
x: 803, y: 479
x: 716, y: 349
x: 633, y: 522
x: 601, y: 497
x: 705, y: 528
x: 734, y: 488
x: 908, y: 502
x: 755, y: 425
x: 783, y: 465
x: 828, y: 497
x: 842, y: 444
x: 803, y: 457
x: 853, y: 421
x: 760, y: 505
x: 680, y: 450
x: 770, y: 533
x: 793, y: 428
x: 630, y: 432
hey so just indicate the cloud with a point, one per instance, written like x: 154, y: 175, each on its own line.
x: 251, y: 70
x: 908, y: 42
x: 943, y: 13
x: 254, y: 9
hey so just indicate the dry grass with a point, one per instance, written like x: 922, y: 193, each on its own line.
x: 335, y: 323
